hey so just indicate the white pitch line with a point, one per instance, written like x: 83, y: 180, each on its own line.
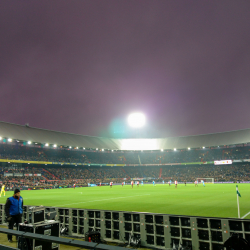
x: 245, y: 215
x: 101, y: 200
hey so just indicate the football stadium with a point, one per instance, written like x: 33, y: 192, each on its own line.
x: 191, y: 190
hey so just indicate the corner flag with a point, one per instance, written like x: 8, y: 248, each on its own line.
x: 237, y: 191
x: 238, y: 204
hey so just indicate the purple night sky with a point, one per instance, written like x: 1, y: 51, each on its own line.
x: 82, y: 66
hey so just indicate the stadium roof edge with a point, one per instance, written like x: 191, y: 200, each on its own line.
x: 28, y: 133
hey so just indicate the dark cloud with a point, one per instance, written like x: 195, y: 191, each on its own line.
x: 78, y: 66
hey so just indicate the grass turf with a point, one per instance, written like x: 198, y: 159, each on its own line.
x: 214, y: 200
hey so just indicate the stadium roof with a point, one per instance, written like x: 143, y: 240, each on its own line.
x: 26, y: 133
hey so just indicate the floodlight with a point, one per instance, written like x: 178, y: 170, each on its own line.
x: 161, y: 150
x: 188, y: 148
x: 54, y: 145
x: 0, y: 138
x: 96, y: 148
x: 112, y: 150
x: 29, y: 142
x: 10, y: 140
x: 136, y: 120
x: 46, y: 144
x: 102, y: 149
x: 70, y: 147
x: 83, y: 148
x: 76, y: 147
x: 203, y: 147
x: 174, y: 149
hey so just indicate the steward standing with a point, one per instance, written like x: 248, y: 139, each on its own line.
x: 14, y: 211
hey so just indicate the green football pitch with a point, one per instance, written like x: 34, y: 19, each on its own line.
x: 214, y: 200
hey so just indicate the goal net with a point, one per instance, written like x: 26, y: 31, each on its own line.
x: 206, y: 180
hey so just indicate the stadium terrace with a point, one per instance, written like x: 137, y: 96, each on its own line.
x: 46, y: 138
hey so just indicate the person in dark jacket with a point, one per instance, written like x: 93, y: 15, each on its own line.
x: 14, y: 210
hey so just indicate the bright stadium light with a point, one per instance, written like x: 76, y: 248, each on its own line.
x: 76, y: 147
x: 174, y: 149
x: 54, y: 145
x: 70, y: 147
x: 1, y: 138
x: 96, y: 148
x: 161, y: 150
x: 136, y: 120
x: 83, y: 148
x: 10, y: 140
x: 102, y: 149
x: 46, y: 144
x: 29, y: 142
x: 188, y: 148
x: 203, y: 147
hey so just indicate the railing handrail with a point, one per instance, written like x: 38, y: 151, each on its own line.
x: 69, y: 242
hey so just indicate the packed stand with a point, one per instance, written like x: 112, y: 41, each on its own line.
x: 62, y: 155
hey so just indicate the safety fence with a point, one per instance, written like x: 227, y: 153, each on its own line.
x: 151, y: 229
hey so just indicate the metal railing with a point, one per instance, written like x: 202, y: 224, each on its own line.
x: 58, y: 240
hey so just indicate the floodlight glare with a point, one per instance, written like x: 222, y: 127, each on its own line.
x: 76, y: 147
x: 102, y: 149
x: 10, y: 140
x: 70, y: 147
x: 46, y: 144
x: 136, y: 120
x: 0, y: 138
x: 203, y: 147
x: 188, y: 148
x: 29, y: 142
x: 161, y: 150
x: 174, y: 149
x: 54, y: 145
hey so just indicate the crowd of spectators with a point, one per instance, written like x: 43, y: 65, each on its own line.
x: 28, y: 153
x: 221, y: 173
x: 82, y: 175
